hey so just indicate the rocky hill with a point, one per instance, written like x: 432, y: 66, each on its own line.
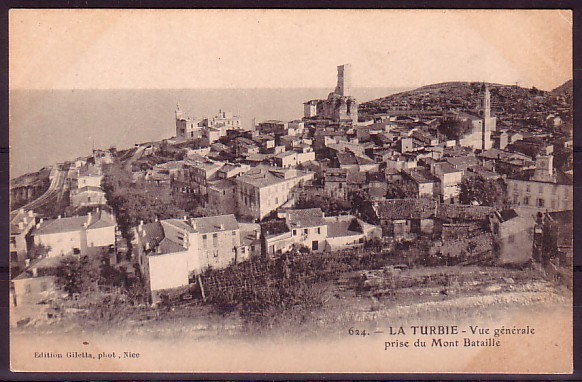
x: 509, y: 102
x: 566, y: 89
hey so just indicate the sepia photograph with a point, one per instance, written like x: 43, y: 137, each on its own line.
x: 291, y: 191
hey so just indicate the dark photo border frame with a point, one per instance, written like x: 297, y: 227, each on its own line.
x: 575, y: 6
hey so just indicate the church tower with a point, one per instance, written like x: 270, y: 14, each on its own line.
x: 487, y: 122
x: 484, y: 104
x: 179, y: 113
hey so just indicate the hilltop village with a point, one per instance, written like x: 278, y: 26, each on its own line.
x: 454, y: 174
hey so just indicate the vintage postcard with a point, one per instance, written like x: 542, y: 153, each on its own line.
x: 309, y: 191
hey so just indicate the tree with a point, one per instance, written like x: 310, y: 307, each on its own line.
x: 77, y: 275
x: 454, y: 128
x: 485, y: 192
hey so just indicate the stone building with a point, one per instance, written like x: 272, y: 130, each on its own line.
x: 339, y: 105
x: 263, y: 189
x: 171, y: 251
x: 542, y: 188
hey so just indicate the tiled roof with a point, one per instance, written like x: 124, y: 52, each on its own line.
x: 446, y: 168
x: 154, y: 234
x: 341, y: 227
x: 347, y: 159
x: 395, y: 209
x: 363, y: 160
x: 222, y: 184
x: 264, y: 176
x: 309, y: 217
x: 421, y: 176
x: 214, y: 223
x: 169, y: 246
x: 20, y: 216
x: 463, y: 212
x: 75, y: 223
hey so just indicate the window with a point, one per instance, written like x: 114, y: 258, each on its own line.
x: 243, y: 250
x: 13, y: 240
x: 204, y: 241
x: 541, y: 202
x: 511, y: 239
x: 215, y: 240
x: 314, y: 245
x: 306, y: 231
x: 526, y: 200
x: 496, y: 228
x: 515, y: 199
x: 527, y: 188
x: 294, y: 232
x: 318, y: 230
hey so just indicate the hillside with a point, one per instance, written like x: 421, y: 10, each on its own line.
x: 566, y: 89
x: 521, y: 106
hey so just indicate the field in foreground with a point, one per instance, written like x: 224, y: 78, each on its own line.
x: 423, y: 295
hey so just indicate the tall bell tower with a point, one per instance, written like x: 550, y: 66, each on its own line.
x: 484, y: 111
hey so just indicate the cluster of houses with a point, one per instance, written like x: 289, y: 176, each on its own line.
x: 405, y: 165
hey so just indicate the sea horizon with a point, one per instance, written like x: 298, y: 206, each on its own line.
x: 52, y: 126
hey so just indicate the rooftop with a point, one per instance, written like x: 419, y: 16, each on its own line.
x: 463, y: 212
x: 262, y: 176
x: 206, y: 224
x: 340, y: 227
x: 21, y: 216
x: 394, y: 209
x: 76, y: 223
x: 309, y: 217
x: 222, y: 184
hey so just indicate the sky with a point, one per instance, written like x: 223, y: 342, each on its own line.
x: 177, y: 49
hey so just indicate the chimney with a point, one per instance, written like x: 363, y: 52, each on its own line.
x: 30, y: 213
x: 221, y: 226
x: 34, y: 272
x: 257, y: 234
x: 41, y: 220
x: 25, y: 220
x: 89, y: 218
x: 141, y: 223
x: 20, y: 225
x: 85, y: 225
x: 147, y: 246
x: 185, y: 217
x: 59, y: 217
x: 26, y: 263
